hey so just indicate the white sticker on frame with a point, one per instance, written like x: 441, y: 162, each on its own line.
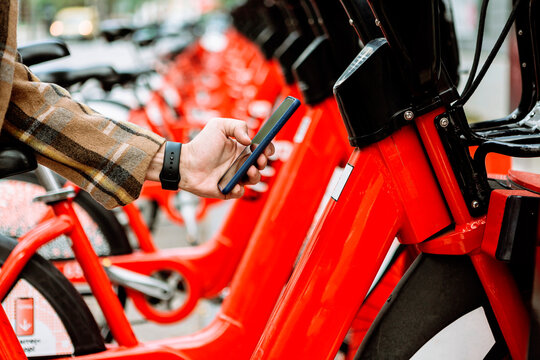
x: 342, y: 181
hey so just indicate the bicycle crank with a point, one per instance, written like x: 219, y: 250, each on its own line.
x: 147, y: 285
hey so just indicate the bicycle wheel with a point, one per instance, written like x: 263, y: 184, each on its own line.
x: 102, y: 227
x: 439, y: 310
x: 107, y: 236
x: 49, y: 316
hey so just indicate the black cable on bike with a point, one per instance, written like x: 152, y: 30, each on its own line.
x: 467, y: 94
x: 478, y: 49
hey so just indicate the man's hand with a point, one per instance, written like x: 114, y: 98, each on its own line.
x: 205, y: 159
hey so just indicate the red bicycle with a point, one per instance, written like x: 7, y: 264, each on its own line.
x: 415, y: 179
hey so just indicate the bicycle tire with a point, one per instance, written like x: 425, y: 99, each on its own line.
x: 66, y: 302
x: 435, y: 292
x: 106, y: 221
x: 112, y: 232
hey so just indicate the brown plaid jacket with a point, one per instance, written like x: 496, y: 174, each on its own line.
x: 108, y: 159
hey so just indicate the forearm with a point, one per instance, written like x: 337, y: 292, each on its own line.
x: 156, y: 164
x: 108, y: 159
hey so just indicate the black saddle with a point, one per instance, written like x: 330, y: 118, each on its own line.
x: 15, y: 157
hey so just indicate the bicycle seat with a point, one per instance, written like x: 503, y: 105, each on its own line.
x: 42, y: 51
x: 168, y: 50
x: 146, y: 36
x: 129, y: 76
x: 15, y: 157
x: 113, y: 30
x: 69, y: 76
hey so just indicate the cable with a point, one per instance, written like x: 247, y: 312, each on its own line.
x: 467, y: 94
x: 479, y: 40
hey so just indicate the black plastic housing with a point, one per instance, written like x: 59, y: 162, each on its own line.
x: 269, y: 40
x: 288, y: 52
x: 247, y: 21
x: 423, y: 37
x: 296, y: 18
x: 519, y: 230
x: 412, y: 30
x: 362, y: 19
x: 300, y: 35
x: 448, y: 44
x: 315, y: 71
x: 322, y: 62
x: 372, y: 95
x: 535, y: 31
x: 275, y: 32
x: 472, y: 179
x: 15, y: 157
x: 334, y: 21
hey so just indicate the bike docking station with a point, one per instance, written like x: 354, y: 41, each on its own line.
x: 418, y: 252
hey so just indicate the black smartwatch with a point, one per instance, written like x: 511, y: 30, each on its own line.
x: 170, y: 172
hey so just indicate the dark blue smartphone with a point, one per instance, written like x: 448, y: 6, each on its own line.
x: 264, y: 136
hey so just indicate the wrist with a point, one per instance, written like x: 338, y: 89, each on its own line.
x: 156, y: 164
x: 184, y: 167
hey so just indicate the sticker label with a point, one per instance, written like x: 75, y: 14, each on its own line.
x: 24, y: 316
x: 45, y: 334
x: 342, y: 181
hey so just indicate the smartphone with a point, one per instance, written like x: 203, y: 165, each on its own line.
x: 261, y: 140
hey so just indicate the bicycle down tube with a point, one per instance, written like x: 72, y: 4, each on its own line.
x: 390, y: 191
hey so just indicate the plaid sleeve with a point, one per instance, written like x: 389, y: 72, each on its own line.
x: 8, y: 52
x: 109, y: 159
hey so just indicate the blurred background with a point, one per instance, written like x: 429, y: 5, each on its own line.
x: 82, y: 20
x: 39, y: 19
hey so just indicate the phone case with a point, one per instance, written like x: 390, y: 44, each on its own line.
x: 260, y: 148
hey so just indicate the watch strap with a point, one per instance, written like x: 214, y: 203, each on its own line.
x: 170, y: 172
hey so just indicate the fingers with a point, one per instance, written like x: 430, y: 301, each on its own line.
x: 262, y: 161
x: 270, y: 150
x: 253, y: 175
x: 237, y: 129
x: 236, y: 192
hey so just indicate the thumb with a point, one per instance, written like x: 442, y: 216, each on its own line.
x: 237, y: 129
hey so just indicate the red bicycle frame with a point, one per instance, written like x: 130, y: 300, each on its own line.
x: 272, y: 236
x: 391, y: 191
x: 10, y: 348
x: 347, y: 248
